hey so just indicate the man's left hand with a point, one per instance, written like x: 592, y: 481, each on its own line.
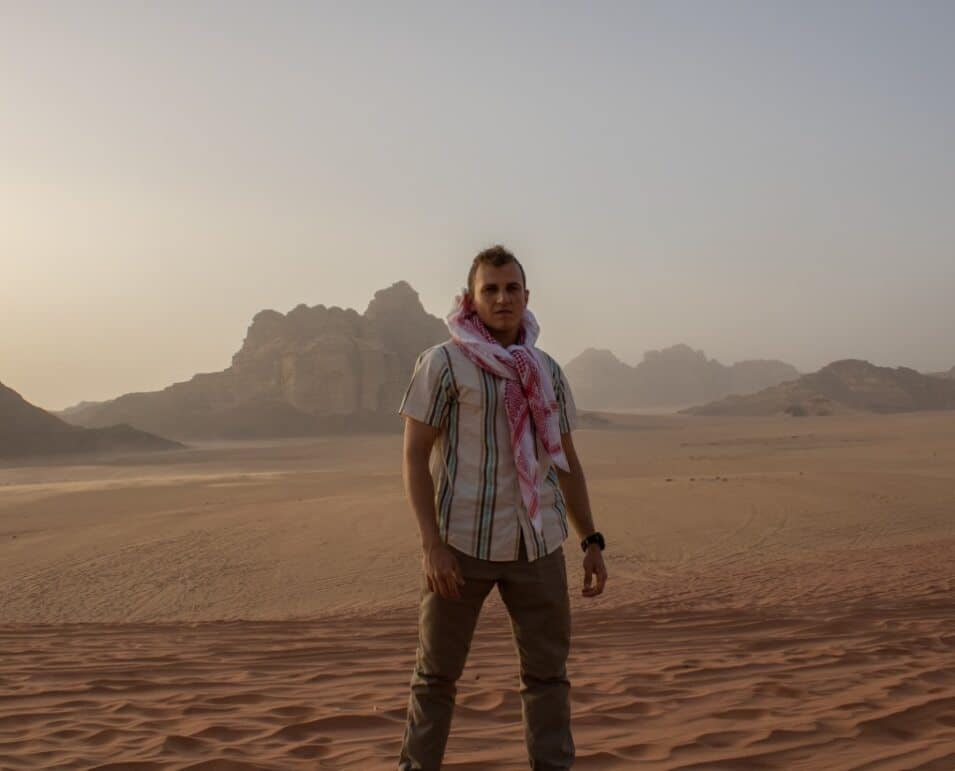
x: 594, y: 567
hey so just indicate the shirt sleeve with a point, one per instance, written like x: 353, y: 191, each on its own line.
x: 431, y: 390
x: 567, y: 419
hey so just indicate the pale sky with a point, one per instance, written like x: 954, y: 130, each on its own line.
x: 756, y: 179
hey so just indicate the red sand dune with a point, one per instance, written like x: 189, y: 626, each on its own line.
x: 781, y: 597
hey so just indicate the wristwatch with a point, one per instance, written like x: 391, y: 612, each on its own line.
x: 596, y: 538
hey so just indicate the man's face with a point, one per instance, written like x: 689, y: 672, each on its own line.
x: 499, y: 297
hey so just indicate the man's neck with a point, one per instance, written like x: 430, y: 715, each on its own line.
x: 506, y: 339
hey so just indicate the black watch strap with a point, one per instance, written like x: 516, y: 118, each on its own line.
x: 596, y: 538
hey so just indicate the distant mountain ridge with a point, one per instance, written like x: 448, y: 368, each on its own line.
x: 848, y: 385
x: 676, y: 375
x: 311, y: 371
x: 26, y: 431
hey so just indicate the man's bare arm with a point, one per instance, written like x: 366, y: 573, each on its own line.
x: 419, y: 486
x: 439, y: 564
x: 573, y: 484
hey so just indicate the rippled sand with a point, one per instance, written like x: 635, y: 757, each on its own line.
x: 781, y: 597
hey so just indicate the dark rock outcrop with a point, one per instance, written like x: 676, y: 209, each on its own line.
x: 311, y: 371
x: 849, y: 385
x: 28, y: 431
x: 672, y: 376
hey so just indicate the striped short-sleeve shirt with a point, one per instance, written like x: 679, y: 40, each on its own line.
x: 477, y: 497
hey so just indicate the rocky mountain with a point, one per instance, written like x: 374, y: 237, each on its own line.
x: 849, y: 385
x: 313, y: 370
x: 672, y: 376
x: 26, y: 431
x: 599, y: 380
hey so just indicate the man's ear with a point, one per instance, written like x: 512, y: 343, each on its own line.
x: 527, y: 296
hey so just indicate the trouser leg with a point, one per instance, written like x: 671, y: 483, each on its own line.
x: 445, y: 630
x: 536, y: 597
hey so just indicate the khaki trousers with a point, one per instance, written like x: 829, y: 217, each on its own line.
x: 535, y: 594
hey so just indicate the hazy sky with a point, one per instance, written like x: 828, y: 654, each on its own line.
x: 758, y: 179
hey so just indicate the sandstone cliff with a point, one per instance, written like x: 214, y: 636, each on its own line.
x: 313, y: 370
x: 673, y: 376
x: 849, y: 385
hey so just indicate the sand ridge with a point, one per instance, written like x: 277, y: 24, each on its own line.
x: 874, y: 688
x: 781, y: 597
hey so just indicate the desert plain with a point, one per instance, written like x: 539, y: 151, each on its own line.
x: 780, y: 597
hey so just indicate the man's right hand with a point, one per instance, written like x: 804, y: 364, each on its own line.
x: 442, y: 571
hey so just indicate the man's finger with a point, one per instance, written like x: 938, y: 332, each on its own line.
x: 457, y: 574
x: 588, y: 578
x: 430, y: 583
x: 601, y: 579
x: 450, y: 586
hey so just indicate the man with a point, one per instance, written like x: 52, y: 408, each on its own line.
x: 491, y: 472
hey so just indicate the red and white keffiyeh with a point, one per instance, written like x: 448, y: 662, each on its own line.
x: 528, y: 394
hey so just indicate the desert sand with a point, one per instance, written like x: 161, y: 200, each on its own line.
x: 781, y: 597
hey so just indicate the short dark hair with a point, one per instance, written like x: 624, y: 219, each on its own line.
x: 497, y: 256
